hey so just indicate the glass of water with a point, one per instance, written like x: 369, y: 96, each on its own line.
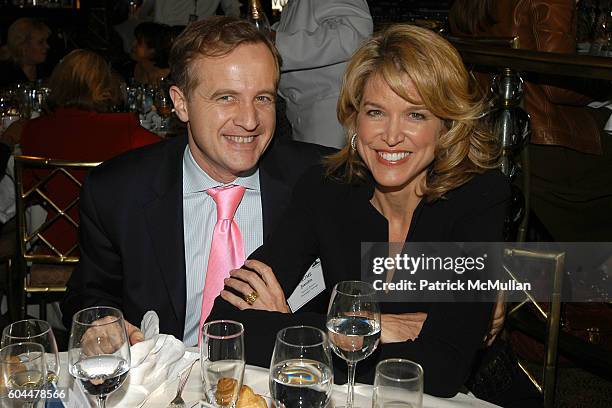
x: 35, y: 331
x: 353, y: 325
x: 23, y: 373
x: 99, y: 351
x: 398, y: 384
x: 301, y: 373
x: 222, y: 361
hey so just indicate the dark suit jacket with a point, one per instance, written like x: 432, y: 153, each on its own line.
x: 131, y: 231
x: 329, y: 220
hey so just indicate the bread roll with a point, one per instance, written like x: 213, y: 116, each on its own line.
x: 248, y: 399
x: 226, y: 391
x: 226, y: 388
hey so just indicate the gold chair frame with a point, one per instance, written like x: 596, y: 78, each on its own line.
x: 553, y: 319
x: 26, y: 257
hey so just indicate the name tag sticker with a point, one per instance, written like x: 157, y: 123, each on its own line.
x: 310, y: 286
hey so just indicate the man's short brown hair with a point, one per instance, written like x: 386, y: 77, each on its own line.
x: 212, y: 37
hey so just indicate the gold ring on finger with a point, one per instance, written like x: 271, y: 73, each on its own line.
x: 251, y: 298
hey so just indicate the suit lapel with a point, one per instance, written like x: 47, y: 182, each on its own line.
x: 164, y: 216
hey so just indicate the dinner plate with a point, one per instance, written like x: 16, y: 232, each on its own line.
x: 257, y: 379
x: 254, y: 377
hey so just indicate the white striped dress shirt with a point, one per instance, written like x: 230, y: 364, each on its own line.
x: 199, y: 219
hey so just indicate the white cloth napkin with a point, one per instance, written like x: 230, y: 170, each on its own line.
x: 156, y: 359
x: 607, y: 104
x: 35, y: 214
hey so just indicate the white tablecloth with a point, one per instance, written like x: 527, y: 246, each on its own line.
x: 257, y: 379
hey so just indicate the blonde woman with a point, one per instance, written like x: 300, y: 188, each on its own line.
x: 417, y: 166
x: 25, y: 50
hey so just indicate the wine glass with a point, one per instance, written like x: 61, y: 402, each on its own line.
x: 35, y: 331
x: 99, y: 351
x: 163, y: 105
x: 353, y: 325
x: 24, y: 372
x: 301, y: 373
x: 398, y: 384
x: 222, y: 361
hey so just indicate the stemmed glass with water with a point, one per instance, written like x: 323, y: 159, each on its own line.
x: 99, y: 351
x: 35, y: 331
x: 24, y: 373
x: 353, y: 325
x: 301, y: 373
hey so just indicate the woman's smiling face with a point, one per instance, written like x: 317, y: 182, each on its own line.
x: 396, y: 139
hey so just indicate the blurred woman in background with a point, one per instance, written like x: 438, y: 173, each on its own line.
x: 25, y: 50
x: 81, y: 127
x: 81, y: 124
x: 150, y: 51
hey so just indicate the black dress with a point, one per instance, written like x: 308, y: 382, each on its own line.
x: 329, y: 220
x: 11, y: 74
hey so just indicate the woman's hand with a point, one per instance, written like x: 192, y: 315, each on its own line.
x: 397, y: 328
x: 497, y: 323
x: 262, y: 282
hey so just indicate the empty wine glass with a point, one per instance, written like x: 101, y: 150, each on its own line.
x: 222, y: 361
x: 301, y: 373
x: 398, y: 384
x: 99, y: 351
x: 353, y: 324
x: 35, y: 331
x: 24, y: 372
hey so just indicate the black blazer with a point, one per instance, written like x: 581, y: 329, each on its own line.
x: 131, y: 230
x: 329, y: 220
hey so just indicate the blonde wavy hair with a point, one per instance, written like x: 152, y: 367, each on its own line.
x: 19, y: 35
x: 84, y: 80
x: 446, y: 89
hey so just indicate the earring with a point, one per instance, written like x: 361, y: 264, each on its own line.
x: 354, y: 141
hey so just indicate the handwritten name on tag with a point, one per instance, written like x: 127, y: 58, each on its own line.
x: 310, y: 286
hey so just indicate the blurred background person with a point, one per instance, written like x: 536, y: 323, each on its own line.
x: 316, y: 39
x: 570, y: 155
x: 25, y: 51
x: 150, y: 51
x: 175, y: 13
x: 80, y: 126
x: 180, y: 12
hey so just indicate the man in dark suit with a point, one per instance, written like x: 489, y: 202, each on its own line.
x: 147, y: 216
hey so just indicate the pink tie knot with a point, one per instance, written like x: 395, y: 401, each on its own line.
x: 227, y: 200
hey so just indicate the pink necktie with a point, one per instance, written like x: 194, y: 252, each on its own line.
x: 226, y: 249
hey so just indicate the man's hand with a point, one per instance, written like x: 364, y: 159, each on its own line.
x: 397, y: 328
x: 107, y: 338
x: 134, y: 333
x: 270, y: 295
